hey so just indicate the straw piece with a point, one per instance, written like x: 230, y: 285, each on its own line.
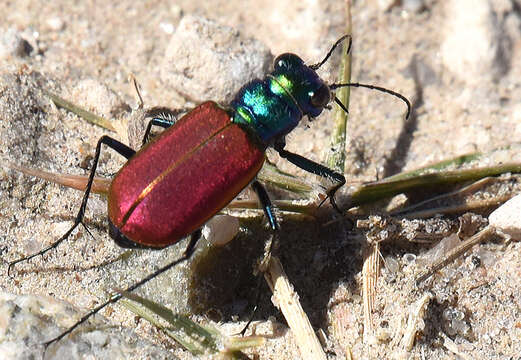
x: 287, y: 300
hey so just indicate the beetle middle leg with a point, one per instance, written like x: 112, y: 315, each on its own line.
x: 274, y: 225
x: 119, y: 147
x: 194, y: 238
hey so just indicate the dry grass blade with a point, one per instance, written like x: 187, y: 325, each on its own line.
x: 417, y: 313
x: 78, y: 182
x: 85, y: 114
x: 286, y: 299
x: 197, y: 339
x: 480, y: 195
x: 456, y: 252
x: 388, y: 187
x: 370, y: 273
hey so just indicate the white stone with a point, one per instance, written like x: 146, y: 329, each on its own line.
x: 221, y: 229
x: 507, y: 217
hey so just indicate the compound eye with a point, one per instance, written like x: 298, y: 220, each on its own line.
x: 287, y: 61
x: 321, y: 96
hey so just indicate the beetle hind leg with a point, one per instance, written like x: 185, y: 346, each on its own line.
x: 113, y: 144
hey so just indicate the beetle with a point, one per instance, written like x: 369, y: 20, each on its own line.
x: 177, y: 181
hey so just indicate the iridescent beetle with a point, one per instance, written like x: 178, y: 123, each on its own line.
x: 176, y: 182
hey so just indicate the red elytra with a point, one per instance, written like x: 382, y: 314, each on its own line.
x: 172, y: 186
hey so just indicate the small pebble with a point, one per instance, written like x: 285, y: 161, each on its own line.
x: 414, y: 6
x: 221, y: 229
x: 13, y: 44
x: 392, y: 265
x: 167, y: 27
x: 56, y: 23
x: 206, y: 60
x: 507, y: 217
x: 409, y: 258
x: 386, y: 5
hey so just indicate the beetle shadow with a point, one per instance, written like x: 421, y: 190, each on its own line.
x: 395, y: 161
x: 315, y: 258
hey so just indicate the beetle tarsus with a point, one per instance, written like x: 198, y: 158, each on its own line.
x: 317, y: 169
x: 42, y: 252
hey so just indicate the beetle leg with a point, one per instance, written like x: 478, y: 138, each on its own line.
x: 161, y: 116
x: 266, y: 204
x: 164, y: 123
x: 113, y: 144
x: 257, y: 299
x: 314, y: 168
x: 194, y: 238
x: 272, y: 219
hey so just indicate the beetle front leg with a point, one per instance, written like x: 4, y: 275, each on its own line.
x: 123, y: 150
x: 314, y: 168
x: 155, y: 122
x: 161, y: 116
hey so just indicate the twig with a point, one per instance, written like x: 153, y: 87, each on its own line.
x: 370, y: 273
x: 455, y: 253
x: 287, y: 300
x: 416, y: 314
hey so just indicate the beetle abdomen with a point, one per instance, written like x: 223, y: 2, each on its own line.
x: 195, y: 168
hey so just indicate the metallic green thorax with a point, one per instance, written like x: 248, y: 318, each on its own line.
x: 272, y: 107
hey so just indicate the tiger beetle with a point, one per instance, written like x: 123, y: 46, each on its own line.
x: 176, y: 182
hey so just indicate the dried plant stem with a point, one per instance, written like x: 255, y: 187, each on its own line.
x: 417, y: 313
x: 456, y: 252
x: 370, y: 273
x: 287, y: 300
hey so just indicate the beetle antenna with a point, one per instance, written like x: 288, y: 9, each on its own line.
x: 378, y: 88
x: 318, y: 65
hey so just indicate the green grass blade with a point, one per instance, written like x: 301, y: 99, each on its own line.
x: 85, y: 114
x: 389, y: 187
x: 336, y: 158
x: 197, y: 339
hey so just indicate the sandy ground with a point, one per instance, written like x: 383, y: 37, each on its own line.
x: 458, y: 62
